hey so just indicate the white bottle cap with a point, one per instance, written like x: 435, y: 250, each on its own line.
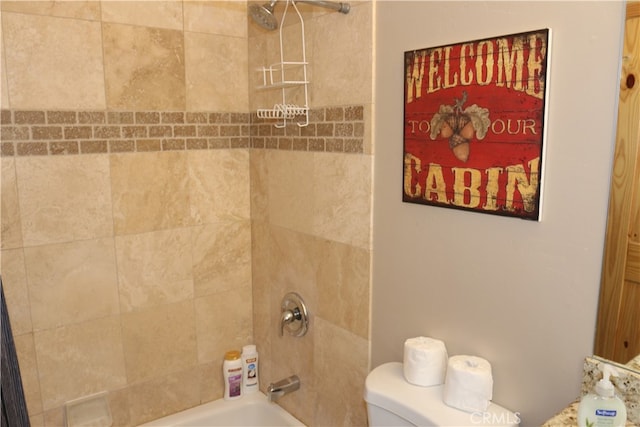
x: 251, y: 348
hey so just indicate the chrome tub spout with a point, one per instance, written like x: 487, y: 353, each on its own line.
x: 278, y: 389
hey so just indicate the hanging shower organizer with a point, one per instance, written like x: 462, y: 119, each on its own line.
x: 285, y: 75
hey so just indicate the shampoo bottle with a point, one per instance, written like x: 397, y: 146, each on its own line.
x: 250, y: 369
x: 232, y: 373
x: 602, y: 408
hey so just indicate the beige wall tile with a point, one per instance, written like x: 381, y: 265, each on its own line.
x: 223, y: 17
x: 259, y: 185
x: 78, y: 360
x: 159, y: 341
x: 53, y: 417
x: 4, y: 87
x: 154, y: 268
x: 164, y: 395
x: 292, y: 41
x: 229, y: 315
x: 343, y: 287
x: 161, y: 14
x: 120, y: 407
x: 263, y: 328
x: 64, y: 198
x: 14, y: 283
x: 219, y: 185
x: 25, y: 349
x: 71, y: 282
x: 324, y: 194
x: 211, y: 382
x: 11, y: 233
x: 36, y: 420
x: 144, y: 68
x: 294, y: 259
x: 290, y: 189
x: 285, y: 261
x: 216, y: 72
x: 346, y: 40
x: 340, y: 368
x: 35, y: 49
x: 221, y: 257
x: 298, y: 352
x: 299, y: 356
x: 342, y: 198
x: 150, y: 191
x: 260, y: 55
x: 69, y: 9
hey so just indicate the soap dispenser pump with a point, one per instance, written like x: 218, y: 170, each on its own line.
x: 604, y: 407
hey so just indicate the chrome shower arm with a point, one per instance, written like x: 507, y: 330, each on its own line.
x: 263, y: 14
x: 339, y: 6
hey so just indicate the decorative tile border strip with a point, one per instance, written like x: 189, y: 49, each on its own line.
x: 27, y: 133
x: 41, y: 133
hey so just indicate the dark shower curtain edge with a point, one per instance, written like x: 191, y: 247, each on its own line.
x: 14, y: 407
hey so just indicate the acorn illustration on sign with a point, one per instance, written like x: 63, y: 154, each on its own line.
x: 459, y: 125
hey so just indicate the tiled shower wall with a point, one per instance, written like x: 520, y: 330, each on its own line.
x: 126, y: 234
x: 311, y: 216
x: 148, y: 225
x: 125, y: 273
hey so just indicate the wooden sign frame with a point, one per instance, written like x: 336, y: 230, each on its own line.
x: 474, y: 116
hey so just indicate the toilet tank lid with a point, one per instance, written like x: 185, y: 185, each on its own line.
x: 387, y: 388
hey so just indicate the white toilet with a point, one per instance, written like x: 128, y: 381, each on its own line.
x: 392, y: 401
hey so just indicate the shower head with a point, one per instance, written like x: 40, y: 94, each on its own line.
x: 263, y: 15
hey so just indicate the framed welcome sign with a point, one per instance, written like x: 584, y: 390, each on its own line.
x: 474, y: 116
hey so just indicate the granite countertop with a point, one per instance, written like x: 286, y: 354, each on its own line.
x: 569, y: 415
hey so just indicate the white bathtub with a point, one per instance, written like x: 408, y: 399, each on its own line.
x: 252, y: 410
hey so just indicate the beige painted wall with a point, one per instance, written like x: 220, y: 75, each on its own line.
x: 521, y: 294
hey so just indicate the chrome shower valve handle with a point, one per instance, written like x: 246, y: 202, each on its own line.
x: 294, y: 317
x: 287, y: 317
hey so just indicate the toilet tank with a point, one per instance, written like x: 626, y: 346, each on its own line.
x: 392, y: 401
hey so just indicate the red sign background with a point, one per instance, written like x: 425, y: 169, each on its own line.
x: 486, y: 99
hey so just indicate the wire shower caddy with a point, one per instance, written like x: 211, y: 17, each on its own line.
x: 279, y: 76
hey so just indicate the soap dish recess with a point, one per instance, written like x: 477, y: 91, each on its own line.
x: 89, y: 411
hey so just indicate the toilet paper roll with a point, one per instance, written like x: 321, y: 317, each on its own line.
x: 425, y: 361
x: 468, y: 383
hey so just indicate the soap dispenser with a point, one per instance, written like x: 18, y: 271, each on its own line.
x: 602, y: 408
